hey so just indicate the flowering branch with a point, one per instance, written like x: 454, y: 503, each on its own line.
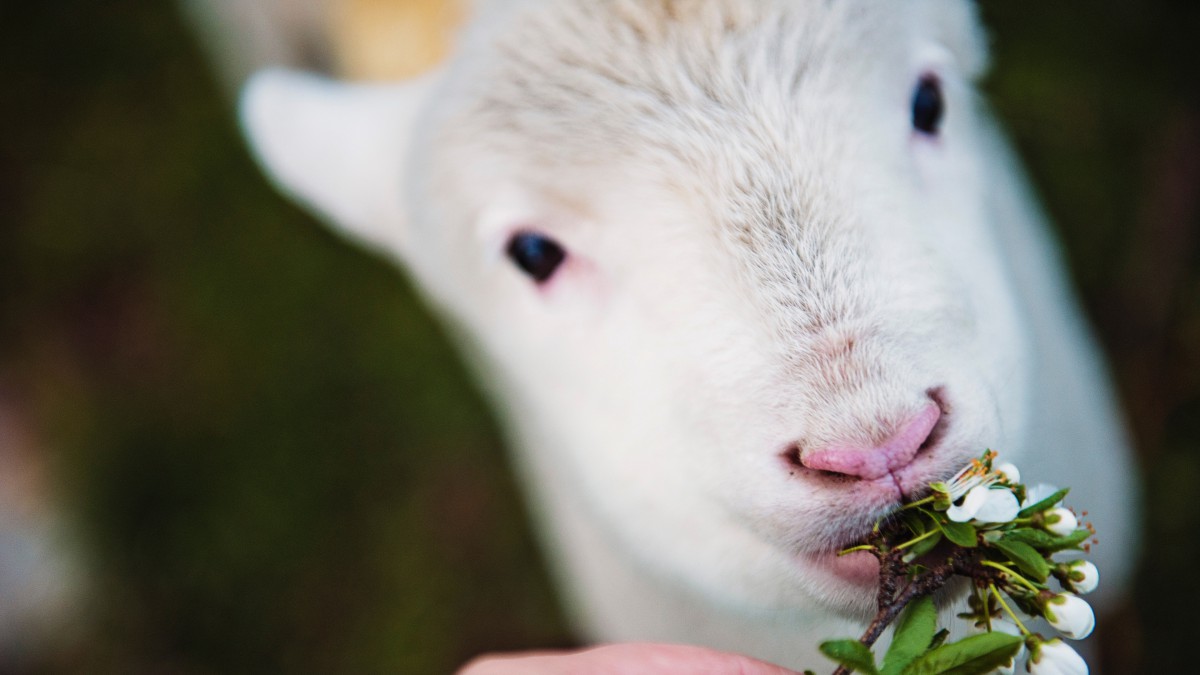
x: 984, y: 525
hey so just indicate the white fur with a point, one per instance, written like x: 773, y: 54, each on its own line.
x: 762, y: 253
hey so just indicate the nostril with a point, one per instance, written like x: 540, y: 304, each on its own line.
x: 794, y: 456
x: 917, y: 433
x: 939, y: 427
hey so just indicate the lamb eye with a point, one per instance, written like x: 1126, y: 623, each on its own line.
x: 536, y: 255
x: 928, y: 106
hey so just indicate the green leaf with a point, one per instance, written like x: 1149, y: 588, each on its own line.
x: 1025, y: 601
x: 974, y: 655
x: 1032, y: 536
x: 1072, y: 540
x: 914, y: 522
x: 1046, y: 542
x: 1044, y: 504
x: 852, y: 654
x: 922, y: 547
x: 1026, y: 557
x: 912, y: 635
x: 962, y: 534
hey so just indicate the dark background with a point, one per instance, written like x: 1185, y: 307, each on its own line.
x: 272, y: 459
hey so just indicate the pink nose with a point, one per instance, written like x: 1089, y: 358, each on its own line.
x: 871, y: 463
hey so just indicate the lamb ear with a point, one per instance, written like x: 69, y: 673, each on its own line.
x: 339, y: 148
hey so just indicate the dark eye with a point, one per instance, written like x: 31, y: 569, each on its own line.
x: 536, y: 255
x: 928, y: 106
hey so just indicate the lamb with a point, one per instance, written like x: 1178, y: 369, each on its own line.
x: 740, y: 276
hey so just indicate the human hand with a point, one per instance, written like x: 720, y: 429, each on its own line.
x: 623, y: 659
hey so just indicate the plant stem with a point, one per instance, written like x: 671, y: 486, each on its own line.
x: 995, y: 592
x: 919, y: 502
x: 921, y: 587
x: 1009, y: 572
x: 920, y: 538
x: 852, y: 549
x: 891, y: 604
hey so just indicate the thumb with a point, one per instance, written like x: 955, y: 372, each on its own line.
x: 624, y: 659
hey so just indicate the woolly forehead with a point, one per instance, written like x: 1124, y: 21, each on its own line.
x: 565, y: 91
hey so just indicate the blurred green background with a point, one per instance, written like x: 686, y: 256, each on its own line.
x: 270, y: 458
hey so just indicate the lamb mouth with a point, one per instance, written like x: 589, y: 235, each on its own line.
x: 859, y: 568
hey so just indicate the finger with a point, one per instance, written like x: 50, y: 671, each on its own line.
x: 624, y: 659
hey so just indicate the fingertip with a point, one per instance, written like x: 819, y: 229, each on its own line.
x: 624, y: 659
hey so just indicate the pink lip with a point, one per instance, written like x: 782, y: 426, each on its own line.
x: 860, y: 568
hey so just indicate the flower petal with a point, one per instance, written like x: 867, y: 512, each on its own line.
x: 1009, y: 471
x: 970, y: 505
x: 1070, y: 615
x: 1061, y: 521
x: 1083, y: 577
x: 1054, y: 657
x: 1000, y: 506
x: 1038, y: 492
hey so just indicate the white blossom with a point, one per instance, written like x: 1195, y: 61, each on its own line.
x: 975, y: 495
x: 986, y: 505
x: 1070, y: 615
x: 1082, y: 576
x: 1054, y: 657
x: 1061, y: 521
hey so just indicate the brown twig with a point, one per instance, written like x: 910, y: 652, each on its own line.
x: 891, y: 603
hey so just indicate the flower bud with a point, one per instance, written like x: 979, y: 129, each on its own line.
x: 1070, y: 615
x: 1082, y: 576
x: 1060, y: 521
x: 1054, y: 657
x: 1010, y: 472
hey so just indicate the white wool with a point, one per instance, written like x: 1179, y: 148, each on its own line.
x: 762, y: 254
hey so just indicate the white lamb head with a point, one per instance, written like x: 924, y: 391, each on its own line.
x: 729, y: 267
